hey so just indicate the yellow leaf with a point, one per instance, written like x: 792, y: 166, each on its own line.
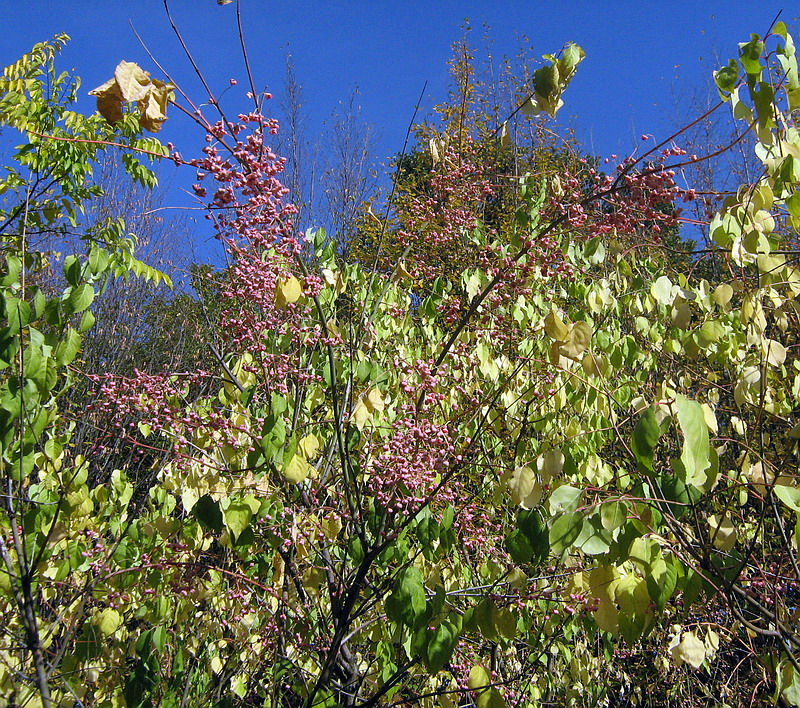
x: 774, y: 352
x: 722, y: 531
x: 577, y: 341
x: 525, y: 491
x: 603, y: 581
x: 369, y: 403
x: 287, y: 291
x: 313, y: 578
x: 436, y: 154
x: 374, y: 400
x: 331, y: 527
x: 216, y: 664
x: 153, y: 107
x: 505, y: 138
x: 189, y: 497
x: 555, y: 327
x: 689, y: 650
x: 309, y: 446
x: 401, y: 272
x: 361, y: 414
x: 109, y: 100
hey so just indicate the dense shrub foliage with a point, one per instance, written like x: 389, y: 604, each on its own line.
x: 529, y: 457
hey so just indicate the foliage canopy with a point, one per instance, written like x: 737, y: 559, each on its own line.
x: 563, y: 469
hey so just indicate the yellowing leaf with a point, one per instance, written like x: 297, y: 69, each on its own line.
x: 722, y: 295
x: 287, y: 291
x: 505, y: 622
x: 710, y: 418
x: 530, y: 107
x: 682, y: 315
x: 478, y: 678
x: 108, y: 621
x: 592, y: 364
x: 661, y: 290
x: 297, y: 469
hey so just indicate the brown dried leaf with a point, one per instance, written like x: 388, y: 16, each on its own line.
x: 109, y: 100
x: 152, y: 110
x: 110, y: 107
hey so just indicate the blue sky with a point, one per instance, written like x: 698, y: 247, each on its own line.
x: 641, y: 55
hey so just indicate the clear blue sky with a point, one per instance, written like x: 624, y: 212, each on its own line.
x: 640, y: 54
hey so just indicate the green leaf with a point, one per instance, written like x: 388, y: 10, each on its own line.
x: 710, y: 333
x: 492, y: 699
x: 79, y: 298
x: 72, y: 270
x: 662, y: 580
x: 789, y: 683
x: 695, y: 456
x: 18, y: 313
x: 439, y: 643
x: 565, y: 531
x: 87, y: 321
x: 726, y: 78
x: 407, y: 602
x: 564, y: 498
x: 750, y: 55
x: 237, y: 517
x: 68, y: 347
x: 790, y: 496
x: 613, y: 514
x: 645, y: 437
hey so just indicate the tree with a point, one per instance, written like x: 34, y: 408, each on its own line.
x: 466, y: 166
x: 47, y: 189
